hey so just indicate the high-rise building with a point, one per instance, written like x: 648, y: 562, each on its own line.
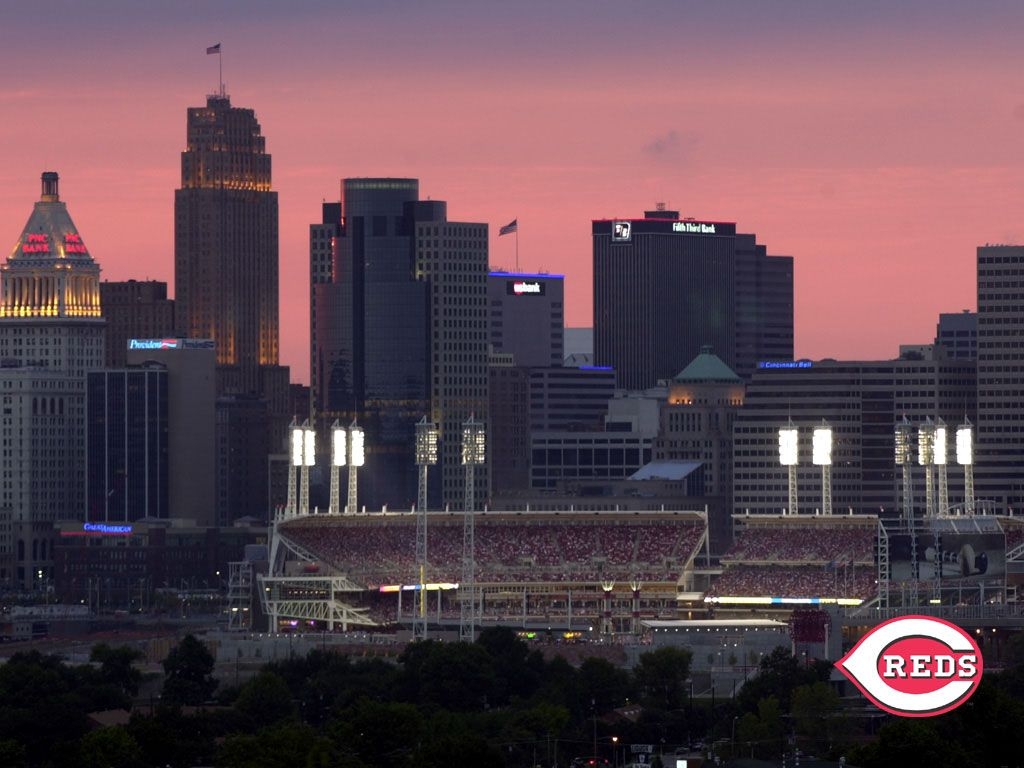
x: 999, y: 454
x: 957, y: 334
x: 402, y: 333
x: 225, y: 240
x: 527, y: 317
x: 134, y: 309
x: 192, y: 427
x: 321, y: 270
x: 126, y: 444
x: 226, y: 282
x: 51, y: 336
x: 664, y: 288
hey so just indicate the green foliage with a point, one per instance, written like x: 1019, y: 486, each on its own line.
x: 604, y: 686
x: 779, y: 674
x: 189, y: 673
x: 117, y: 665
x: 283, y: 745
x: 379, y: 733
x: 13, y: 754
x: 266, y: 700
x: 661, y: 677
x: 112, y: 747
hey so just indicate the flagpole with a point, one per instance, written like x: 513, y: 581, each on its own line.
x: 220, y: 69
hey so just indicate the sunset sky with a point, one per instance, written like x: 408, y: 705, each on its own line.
x: 877, y: 143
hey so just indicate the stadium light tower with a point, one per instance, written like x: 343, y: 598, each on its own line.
x: 308, y: 460
x: 821, y: 455
x: 295, y: 431
x: 339, y: 441
x: 356, y: 459
x: 426, y: 456
x: 473, y: 454
x: 788, y: 455
x: 965, y: 458
x: 904, y: 458
x: 939, y: 457
x: 926, y: 458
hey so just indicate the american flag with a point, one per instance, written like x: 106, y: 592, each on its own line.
x: 213, y: 49
x: 508, y: 229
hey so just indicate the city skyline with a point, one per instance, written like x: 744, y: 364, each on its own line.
x: 877, y: 146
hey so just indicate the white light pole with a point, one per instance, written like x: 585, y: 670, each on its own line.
x: 940, y: 458
x: 904, y: 458
x: 788, y: 456
x: 821, y: 456
x: 356, y: 459
x: 308, y: 460
x: 426, y: 456
x: 965, y: 458
x: 295, y: 432
x: 926, y: 458
x: 473, y: 454
x: 339, y: 451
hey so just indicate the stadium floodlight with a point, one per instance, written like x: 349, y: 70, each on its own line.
x: 308, y: 447
x: 426, y: 442
x: 356, y: 459
x: 965, y: 444
x: 939, y: 446
x: 339, y: 439
x: 788, y: 446
x: 904, y: 451
x: 821, y: 455
x: 822, y: 445
x: 789, y: 443
x: 926, y: 458
x: 426, y: 455
x: 473, y: 442
x: 965, y: 458
x: 298, y: 445
x: 356, y: 439
x: 926, y: 444
x: 939, y: 457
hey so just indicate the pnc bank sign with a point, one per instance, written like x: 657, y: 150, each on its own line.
x: 915, y: 666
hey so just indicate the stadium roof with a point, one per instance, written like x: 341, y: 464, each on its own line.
x: 665, y: 470
x: 710, y: 624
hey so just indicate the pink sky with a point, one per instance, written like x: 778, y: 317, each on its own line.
x: 877, y: 146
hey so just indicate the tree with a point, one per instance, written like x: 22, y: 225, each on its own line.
x: 117, y: 666
x: 266, y: 700
x: 110, y: 747
x: 189, y: 671
x: 661, y: 676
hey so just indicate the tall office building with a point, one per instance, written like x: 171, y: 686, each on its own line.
x: 527, y: 317
x: 51, y: 336
x: 225, y: 240
x: 134, y: 309
x: 226, y: 282
x: 126, y: 437
x: 665, y: 288
x: 193, y: 423
x: 321, y: 270
x: 956, y: 334
x: 402, y: 333
x: 999, y: 454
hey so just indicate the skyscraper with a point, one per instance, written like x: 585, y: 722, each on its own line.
x: 225, y: 241
x: 51, y: 336
x: 226, y: 282
x: 401, y: 332
x: 999, y: 453
x: 527, y: 317
x: 665, y: 288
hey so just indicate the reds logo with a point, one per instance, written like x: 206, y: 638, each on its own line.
x: 915, y: 666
